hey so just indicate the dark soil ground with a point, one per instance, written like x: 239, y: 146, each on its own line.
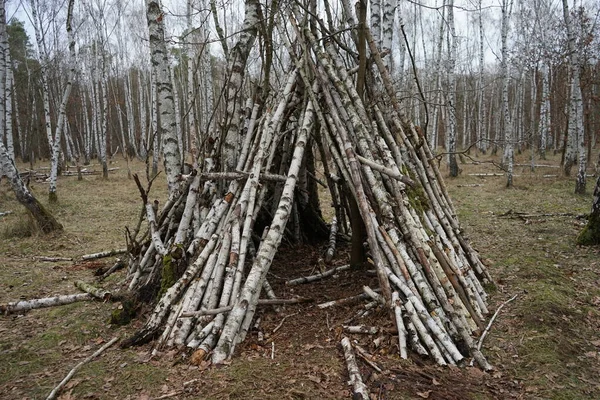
x: 543, y: 345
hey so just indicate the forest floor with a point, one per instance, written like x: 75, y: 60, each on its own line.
x: 544, y: 345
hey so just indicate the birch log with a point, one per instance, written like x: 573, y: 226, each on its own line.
x: 26, y: 305
x: 359, y: 389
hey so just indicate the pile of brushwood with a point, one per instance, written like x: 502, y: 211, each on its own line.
x: 205, y: 256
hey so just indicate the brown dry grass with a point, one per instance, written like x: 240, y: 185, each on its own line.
x: 544, y: 345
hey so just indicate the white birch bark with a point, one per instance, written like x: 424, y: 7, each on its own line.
x: 396, y: 304
x: 54, y: 147
x: 177, y: 119
x: 26, y: 305
x: 62, y: 115
x: 481, y: 142
x: 190, y: 103
x: 544, y: 125
x: 154, y: 134
x: 387, y: 31
x: 401, y: 49
x: 359, y: 389
x: 9, y: 90
x: 451, y: 95
x: 103, y: 133
x: 509, y: 156
x: 576, y: 139
x: 236, y: 67
x: 376, y: 21
x: 4, y: 52
x: 243, y: 311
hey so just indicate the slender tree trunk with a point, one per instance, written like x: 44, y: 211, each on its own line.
x: 481, y: 142
x: 451, y: 96
x: 53, y: 140
x: 437, y: 99
x: 376, y: 21
x: 4, y: 66
x: 544, y: 125
x: 62, y: 114
x: 133, y: 149
x: 144, y: 146
x: 155, y: 137
x: 576, y: 141
x: 389, y: 11
x: 164, y: 88
x: 236, y: 68
x: 508, y: 132
x: 9, y: 96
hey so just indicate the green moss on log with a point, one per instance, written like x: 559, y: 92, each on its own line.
x: 417, y: 198
x: 169, y: 274
x: 590, y: 235
x: 124, y: 314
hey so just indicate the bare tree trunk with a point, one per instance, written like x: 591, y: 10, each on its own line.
x: 451, y: 96
x: 508, y: 132
x: 389, y: 10
x: 434, y: 132
x: 133, y: 148
x: 544, y: 125
x: 576, y: 141
x: 8, y: 107
x: 375, y: 21
x: 4, y: 66
x: 104, y: 138
x: 481, y: 142
x: 52, y: 139
x: 236, y: 67
x: 164, y: 88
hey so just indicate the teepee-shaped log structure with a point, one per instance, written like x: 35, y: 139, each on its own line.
x: 199, y: 255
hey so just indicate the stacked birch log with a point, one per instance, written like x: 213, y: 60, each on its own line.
x: 198, y: 247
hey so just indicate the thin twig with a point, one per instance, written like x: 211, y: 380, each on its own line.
x: 487, y: 329
x: 71, y: 373
x: 282, y: 321
x: 489, y: 325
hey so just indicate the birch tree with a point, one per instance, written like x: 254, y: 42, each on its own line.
x: 44, y: 221
x: 164, y: 89
x: 236, y: 67
x: 509, y: 156
x: 481, y: 137
x: 53, y: 137
x: 451, y: 92
x: 576, y: 136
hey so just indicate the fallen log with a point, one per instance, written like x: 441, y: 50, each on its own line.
x: 98, y: 293
x: 26, y: 305
x: 330, y: 252
x: 319, y: 276
x: 103, y: 254
x: 359, y: 389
